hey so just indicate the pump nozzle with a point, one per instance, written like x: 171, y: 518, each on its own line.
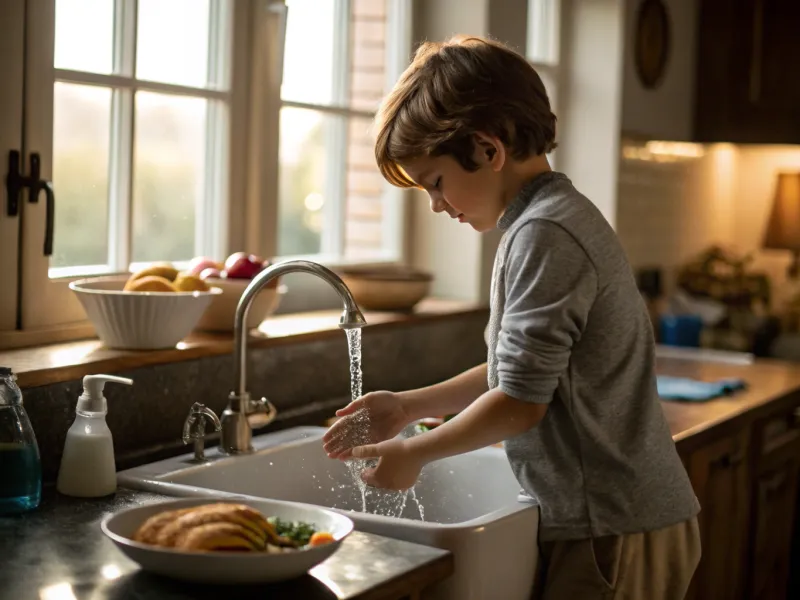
x: 92, y: 399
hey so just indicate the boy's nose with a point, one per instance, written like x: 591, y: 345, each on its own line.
x: 437, y: 204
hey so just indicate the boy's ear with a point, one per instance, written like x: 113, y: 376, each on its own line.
x: 489, y: 151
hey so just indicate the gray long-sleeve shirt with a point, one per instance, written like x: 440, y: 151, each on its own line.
x: 568, y: 327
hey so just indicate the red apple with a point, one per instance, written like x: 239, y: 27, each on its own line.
x: 240, y: 266
x: 210, y: 272
x: 201, y: 263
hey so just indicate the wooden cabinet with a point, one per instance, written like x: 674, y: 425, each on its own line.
x: 719, y: 474
x: 747, y: 89
x: 747, y: 483
x: 772, y: 539
x: 777, y: 450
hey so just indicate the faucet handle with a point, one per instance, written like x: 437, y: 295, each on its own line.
x: 194, y: 428
x: 260, y: 413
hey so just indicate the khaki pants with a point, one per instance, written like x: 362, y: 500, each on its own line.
x: 655, y: 565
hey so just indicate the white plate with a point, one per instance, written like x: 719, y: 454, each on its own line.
x: 227, y: 567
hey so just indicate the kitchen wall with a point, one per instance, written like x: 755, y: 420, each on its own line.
x: 674, y: 200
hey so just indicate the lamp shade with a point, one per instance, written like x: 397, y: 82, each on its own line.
x: 783, y: 227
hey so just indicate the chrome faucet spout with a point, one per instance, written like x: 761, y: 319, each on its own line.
x: 236, y: 430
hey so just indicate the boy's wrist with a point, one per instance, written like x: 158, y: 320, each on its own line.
x: 413, y: 403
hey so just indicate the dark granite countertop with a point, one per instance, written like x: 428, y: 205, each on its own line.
x: 58, y: 552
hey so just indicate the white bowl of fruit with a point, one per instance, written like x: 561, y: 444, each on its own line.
x: 233, y: 276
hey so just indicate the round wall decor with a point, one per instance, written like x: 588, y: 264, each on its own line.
x: 651, y: 44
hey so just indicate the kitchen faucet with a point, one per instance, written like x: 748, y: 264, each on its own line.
x: 237, y: 433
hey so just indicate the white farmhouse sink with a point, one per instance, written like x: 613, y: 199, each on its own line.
x: 471, y: 504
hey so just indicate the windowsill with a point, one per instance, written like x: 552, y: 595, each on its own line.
x: 57, y: 363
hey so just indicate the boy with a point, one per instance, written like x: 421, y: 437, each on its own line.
x: 569, y: 384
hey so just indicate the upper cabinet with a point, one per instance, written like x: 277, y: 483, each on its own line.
x: 712, y: 71
x: 658, y: 68
x: 747, y: 85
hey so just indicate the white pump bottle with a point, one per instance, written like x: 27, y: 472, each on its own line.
x: 87, y: 468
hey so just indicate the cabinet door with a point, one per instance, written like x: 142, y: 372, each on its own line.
x: 719, y: 477
x: 747, y: 89
x: 11, y: 70
x: 775, y: 498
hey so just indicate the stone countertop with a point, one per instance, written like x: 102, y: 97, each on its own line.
x: 58, y: 552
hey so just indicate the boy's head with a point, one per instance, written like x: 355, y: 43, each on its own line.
x: 460, y: 122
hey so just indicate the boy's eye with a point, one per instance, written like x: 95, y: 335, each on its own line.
x: 437, y: 183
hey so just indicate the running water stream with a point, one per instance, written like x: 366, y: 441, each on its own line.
x: 387, y: 502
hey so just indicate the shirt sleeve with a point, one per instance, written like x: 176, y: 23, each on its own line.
x: 550, y: 285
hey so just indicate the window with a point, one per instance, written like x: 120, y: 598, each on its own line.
x: 544, y: 48
x: 158, y: 123
x: 140, y: 113
x: 333, y: 202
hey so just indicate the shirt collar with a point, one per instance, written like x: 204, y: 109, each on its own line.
x: 526, y: 195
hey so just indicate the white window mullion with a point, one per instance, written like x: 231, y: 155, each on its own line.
x: 335, y: 207
x: 211, y: 215
x: 121, y: 154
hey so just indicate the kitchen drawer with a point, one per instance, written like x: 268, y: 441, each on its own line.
x: 779, y: 432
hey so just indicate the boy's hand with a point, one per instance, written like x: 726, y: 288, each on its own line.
x: 398, y: 468
x: 371, y: 419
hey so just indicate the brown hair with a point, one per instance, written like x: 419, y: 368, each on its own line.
x: 453, y: 90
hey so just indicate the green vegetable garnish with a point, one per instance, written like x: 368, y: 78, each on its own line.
x: 297, y: 531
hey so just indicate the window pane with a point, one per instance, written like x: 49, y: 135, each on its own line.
x: 308, y: 72
x: 81, y: 121
x: 172, y: 41
x: 168, y: 176
x: 364, y: 216
x: 304, y: 185
x: 75, y: 49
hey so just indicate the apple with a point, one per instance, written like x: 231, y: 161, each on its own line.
x: 201, y: 263
x: 210, y: 273
x: 240, y: 265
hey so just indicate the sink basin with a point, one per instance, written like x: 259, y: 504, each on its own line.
x: 470, y: 504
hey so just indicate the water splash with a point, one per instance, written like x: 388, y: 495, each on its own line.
x: 383, y: 502
x: 420, y: 508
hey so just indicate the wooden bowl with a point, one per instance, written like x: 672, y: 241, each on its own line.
x: 387, y: 289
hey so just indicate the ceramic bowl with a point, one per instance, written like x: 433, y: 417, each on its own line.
x: 139, y: 320
x: 227, y: 567
x: 222, y: 311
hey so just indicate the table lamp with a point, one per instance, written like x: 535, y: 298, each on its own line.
x: 783, y: 227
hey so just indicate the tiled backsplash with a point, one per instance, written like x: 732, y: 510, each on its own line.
x: 670, y: 208
x: 306, y: 381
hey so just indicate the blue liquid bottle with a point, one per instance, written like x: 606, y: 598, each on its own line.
x: 20, y: 466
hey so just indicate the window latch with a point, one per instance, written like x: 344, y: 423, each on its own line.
x: 16, y: 182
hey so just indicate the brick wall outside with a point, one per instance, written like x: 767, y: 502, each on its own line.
x: 363, y: 227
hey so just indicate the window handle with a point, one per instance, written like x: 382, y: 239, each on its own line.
x: 16, y: 182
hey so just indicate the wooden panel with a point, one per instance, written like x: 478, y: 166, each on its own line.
x: 11, y: 75
x: 719, y: 474
x: 774, y: 510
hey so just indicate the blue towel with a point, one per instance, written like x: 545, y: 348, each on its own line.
x: 691, y: 390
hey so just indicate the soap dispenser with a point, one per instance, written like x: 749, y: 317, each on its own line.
x: 87, y: 468
x: 20, y: 465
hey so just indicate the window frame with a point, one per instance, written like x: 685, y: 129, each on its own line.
x: 47, y: 304
x: 393, y: 205
x: 124, y: 84
x: 11, y: 111
x: 47, y: 310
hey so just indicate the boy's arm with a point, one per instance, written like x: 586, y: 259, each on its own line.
x: 446, y: 398
x: 551, y: 285
x: 492, y: 418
